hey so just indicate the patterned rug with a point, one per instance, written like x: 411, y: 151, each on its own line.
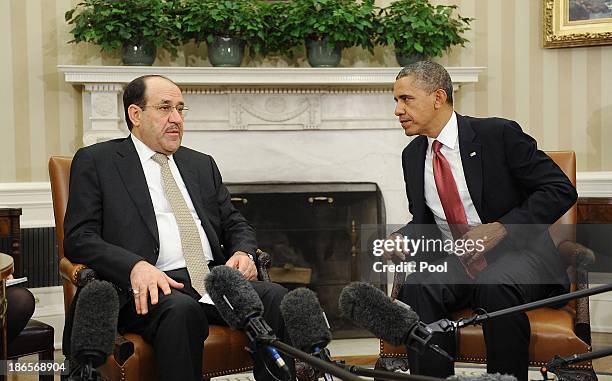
x: 469, y: 371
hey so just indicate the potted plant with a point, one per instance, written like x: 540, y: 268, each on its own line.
x: 138, y: 27
x: 276, y: 39
x: 226, y: 26
x: 328, y: 26
x: 419, y: 30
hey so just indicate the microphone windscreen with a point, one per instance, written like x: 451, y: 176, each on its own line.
x: 234, y: 297
x: 483, y: 377
x: 95, y: 323
x: 305, y: 320
x: 373, y: 310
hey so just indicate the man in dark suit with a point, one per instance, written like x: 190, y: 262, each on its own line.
x: 136, y: 220
x: 481, y: 180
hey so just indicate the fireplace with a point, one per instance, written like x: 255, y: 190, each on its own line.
x: 310, y: 153
x: 313, y: 233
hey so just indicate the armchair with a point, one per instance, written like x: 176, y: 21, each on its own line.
x: 132, y: 357
x: 561, y: 331
x: 35, y: 338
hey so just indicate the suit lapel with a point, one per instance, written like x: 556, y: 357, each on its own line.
x: 191, y: 180
x: 471, y: 159
x: 415, y: 163
x: 132, y: 175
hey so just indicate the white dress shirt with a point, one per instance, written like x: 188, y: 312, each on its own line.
x: 170, y: 249
x: 449, y: 137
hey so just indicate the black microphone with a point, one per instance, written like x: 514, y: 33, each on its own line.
x: 388, y: 319
x: 95, y: 326
x: 307, y: 324
x: 309, y: 330
x: 240, y: 306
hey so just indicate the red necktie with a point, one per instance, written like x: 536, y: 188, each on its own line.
x: 452, y: 205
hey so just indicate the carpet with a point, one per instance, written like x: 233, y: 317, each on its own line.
x: 468, y: 370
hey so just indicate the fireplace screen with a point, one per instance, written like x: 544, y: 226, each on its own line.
x: 312, y: 232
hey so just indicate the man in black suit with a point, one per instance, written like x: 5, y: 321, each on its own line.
x: 121, y: 222
x: 481, y: 180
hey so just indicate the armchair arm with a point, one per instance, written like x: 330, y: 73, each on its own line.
x: 576, y: 255
x: 76, y: 273
x: 580, y: 257
x: 399, y: 279
x: 79, y: 275
x: 264, y: 261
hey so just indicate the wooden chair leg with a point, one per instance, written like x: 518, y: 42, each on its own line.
x: 45, y: 356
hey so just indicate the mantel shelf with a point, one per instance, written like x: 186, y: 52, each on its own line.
x: 243, y: 76
x: 251, y: 99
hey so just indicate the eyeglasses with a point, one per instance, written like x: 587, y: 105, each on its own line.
x: 166, y: 109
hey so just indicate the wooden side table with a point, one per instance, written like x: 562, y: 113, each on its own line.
x: 6, y: 269
x: 9, y: 227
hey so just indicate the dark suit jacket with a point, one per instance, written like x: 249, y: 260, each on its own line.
x: 509, y: 181
x: 110, y: 222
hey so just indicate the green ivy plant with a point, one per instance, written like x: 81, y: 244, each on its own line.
x: 343, y: 23
x: 417, y: 27
x: 111, y: 24
x: 241, y: 19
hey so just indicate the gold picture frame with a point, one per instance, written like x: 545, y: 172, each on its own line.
x: 569, y: 23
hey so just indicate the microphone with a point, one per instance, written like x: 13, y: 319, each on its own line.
x: 240, y: 306
x: 309, y: 330
x: 388, y: 319
x: 307, y: 324
x: 95, y: 326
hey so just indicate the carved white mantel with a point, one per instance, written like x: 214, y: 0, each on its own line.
x: 275, y: 124
x: 250, y: 98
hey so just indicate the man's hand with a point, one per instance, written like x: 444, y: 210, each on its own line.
x: 243, y: 263
x: 396, y: 254
x: 146, y: 279
x: 489, y: 235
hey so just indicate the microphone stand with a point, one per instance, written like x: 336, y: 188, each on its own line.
x: 374, y: 373
x: 446, y: 325
x: 316, y: 362
x: 559, y: 361
x: 260, y: 333
x: 324, y: 355
x: 383, y: 374
x: 85, y: 372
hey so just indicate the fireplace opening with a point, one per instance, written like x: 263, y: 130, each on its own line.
x: 313, y: 234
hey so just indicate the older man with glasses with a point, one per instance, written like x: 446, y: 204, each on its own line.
x: 151, y: 216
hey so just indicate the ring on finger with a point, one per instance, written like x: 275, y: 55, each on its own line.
x: 135, y: 292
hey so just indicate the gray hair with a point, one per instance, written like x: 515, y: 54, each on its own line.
x: 430, y: 76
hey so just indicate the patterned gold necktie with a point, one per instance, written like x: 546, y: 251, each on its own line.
x: 190, y: 239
